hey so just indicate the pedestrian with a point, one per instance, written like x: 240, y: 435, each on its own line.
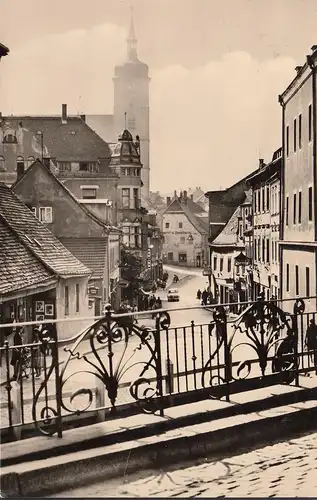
x: 198, y: 294
x: 16, y: 360
x: 204, y: 297
x: 152, y: 301
x: 37, y: 354
x: 311, y: 342
x: 158, y: 303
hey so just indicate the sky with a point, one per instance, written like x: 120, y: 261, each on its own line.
x: 216, y: 66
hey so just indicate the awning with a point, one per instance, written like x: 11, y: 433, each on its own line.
x: 242, y: 260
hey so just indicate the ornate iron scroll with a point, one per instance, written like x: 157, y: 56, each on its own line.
x: 269, y: 332
x: 118, y: 347
x: 217, y: 331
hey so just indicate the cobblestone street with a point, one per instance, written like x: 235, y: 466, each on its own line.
x: 283, y: 469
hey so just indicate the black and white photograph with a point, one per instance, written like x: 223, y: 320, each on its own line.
x: 39, y: 306
x: 49, y: 310
x: 158, y: 248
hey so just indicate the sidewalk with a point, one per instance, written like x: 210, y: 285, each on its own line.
x: 115, y: 448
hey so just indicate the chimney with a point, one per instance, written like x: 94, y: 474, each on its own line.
x: 20, y: 169
x: 168, y: 200
x: 192, y: 197
x: 298, y: 68
x: 261, y: 163
x: 83, y: 117
x: 313, y: 48
x: 47, y: 163
x: 64, y: 113
x: 185, y: 195
x: 175, y: 194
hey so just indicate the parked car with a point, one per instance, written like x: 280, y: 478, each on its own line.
x: 172, y: 295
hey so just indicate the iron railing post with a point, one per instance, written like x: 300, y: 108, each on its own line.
x: 8, y: 382
x: 55, y: 356
x: 159, y: 363
x: 227, y: 357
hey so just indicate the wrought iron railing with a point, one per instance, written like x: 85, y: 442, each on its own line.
x: 126, y: 363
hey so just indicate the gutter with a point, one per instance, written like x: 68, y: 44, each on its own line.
x: 282, y: 201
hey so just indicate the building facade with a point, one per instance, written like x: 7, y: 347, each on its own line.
x: 298, y: 244
x: 265, y: 184
x: 95, y: 243
x: 185, y: 232
x: 131, y: 108
x: 40, y: 279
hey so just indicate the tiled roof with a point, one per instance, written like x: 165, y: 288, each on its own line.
x: 37, y: 237
x: 90, y: 251
x: 71, y: 141
x: 19, y: 266
x: 228, y: 235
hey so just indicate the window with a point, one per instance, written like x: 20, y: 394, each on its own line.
x: 64, y: 166
x: 77, y: 297
x: 229, y: 264
x: 10, y: 138
x: 310, y: 122
x: 215, y: 263
x: 287, y: 141
x: 132, y: 236
x: 255, y: 249
x: 287, y: 277
x: 126, y: 198
x: 88, y: 167
x: 221, y: 264
x: 2, y: 167
x: 299, y: 207
x: 296, y: 281
x: 46, y: 214
x: 267, y: 198
x: 310, y: 203
x: 89, y: 193
x: 307, y: 282
x: 66, y: 300
x: 167, y: 225
x: 182, y: 257
x: 263, y: 199
x: 182, y: 239
x: 294, y: 208
x: 259, y: 200
x: 31, y: 160
x: 295, y: 135
x: 180, y: 225
x: 136, y: 198
x: 170, y: 256
x: 263, y: 250
x: 273, y: 251
x: 267, y: 250
x: 255, y: 201
x: 286, y: 210
x: 300, y: 131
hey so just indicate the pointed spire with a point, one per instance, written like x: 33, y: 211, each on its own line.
x: 131, y: 40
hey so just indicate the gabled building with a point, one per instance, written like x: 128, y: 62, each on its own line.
x: 230, y: 267
x: 94, y: 242
x: 71, y: 149
x: 265, y: 185
x: 298, y: 244
x: 185, y: 232
x: 40, y: 279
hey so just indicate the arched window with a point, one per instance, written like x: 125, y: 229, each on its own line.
x: 2, y: 167
x: 9, y: 138
x: 20, y: 166
x: 31, y: 160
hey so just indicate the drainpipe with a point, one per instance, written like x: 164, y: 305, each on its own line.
x: 312, y: 66
x: 282, y: 201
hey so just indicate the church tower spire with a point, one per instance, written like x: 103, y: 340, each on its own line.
x: 131, y: 40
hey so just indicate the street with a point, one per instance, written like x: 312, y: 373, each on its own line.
x: 285, y: 469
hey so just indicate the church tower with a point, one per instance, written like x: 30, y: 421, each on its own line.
x: 131, y: 102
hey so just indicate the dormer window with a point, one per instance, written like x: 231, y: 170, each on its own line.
x: 31, y: 160
x: 9, y: 138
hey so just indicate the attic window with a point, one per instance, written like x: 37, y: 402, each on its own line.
x: 9, y: 138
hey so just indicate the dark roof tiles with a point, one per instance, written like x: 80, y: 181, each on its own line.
x: 37, y: 237
x: 90, y: 251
